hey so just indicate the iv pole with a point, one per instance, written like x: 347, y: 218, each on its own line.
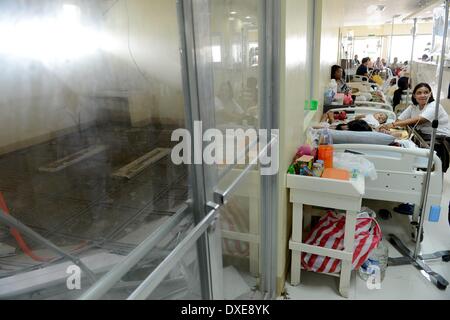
x: 411, y: 61
x: 413, y: 257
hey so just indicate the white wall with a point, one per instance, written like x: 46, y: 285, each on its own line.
x: 428, y: 73
x: 386, y: 29
x: 40, y: 99
x: 146, y: 51
x: 43, y: 96
x: 293, y: 92
x: 329, y: 19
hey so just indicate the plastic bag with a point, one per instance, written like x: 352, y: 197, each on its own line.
x: 313, y: 137
x: 330, y: 232
x: 351, y: 162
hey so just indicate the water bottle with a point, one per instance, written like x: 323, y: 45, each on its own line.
x: 376, y: 263
x: 330, y: 92
x: 333, y: 86
x: 328, y: 96
x: 326, y: 148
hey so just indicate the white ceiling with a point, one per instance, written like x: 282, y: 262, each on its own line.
x: 363, y: 12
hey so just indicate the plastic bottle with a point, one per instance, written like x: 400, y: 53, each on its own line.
x: 333, y: 86
x: 330, y: 92
x: 377, y: 262
x: 326, y: 149
x: 328, y: 96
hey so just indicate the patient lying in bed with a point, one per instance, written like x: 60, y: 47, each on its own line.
x: 362, y: 122
x: 374, y: 120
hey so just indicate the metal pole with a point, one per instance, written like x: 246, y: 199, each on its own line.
x: 413, y: 42
x: 433, y: 136
x: 14, y: 223
x: 392, y: 38
x: 157, y: 276
x: 411, y: 60
x: 108, y: 281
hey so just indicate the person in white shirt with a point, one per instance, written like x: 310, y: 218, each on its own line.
x: 227, y: 108
x: 422, y: 112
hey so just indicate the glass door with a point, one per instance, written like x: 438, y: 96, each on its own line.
x: 228, y: 76
x: 91, y: 93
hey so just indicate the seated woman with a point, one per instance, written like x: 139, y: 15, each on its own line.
x: 337, y: 73
x: 363, y: 69
x: 421, y: 114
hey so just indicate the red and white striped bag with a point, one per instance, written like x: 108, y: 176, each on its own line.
x: 329, y: 233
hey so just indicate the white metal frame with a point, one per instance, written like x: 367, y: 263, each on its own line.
x: 378, y: 105
x: 399, y: 178
x: 248, y: 188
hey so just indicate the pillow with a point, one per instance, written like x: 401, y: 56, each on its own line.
x: 361, y: 137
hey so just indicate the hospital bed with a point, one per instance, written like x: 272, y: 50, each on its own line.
x: 401, y: 173
x: 352, y: 112
x: 362, y: 104
x: 377, y: 105
x: 401, y: 170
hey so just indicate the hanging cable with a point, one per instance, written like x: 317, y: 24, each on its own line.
x: 22, y: 243
x: 129, y: 45
x: 112, y: 6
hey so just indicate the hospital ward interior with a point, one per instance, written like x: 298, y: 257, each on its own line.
x: 224, y: 150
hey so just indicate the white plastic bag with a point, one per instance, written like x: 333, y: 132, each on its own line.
x: 313, y: 137
x: 351, y: 162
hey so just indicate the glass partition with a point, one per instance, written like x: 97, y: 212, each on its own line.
x: 91, y: 92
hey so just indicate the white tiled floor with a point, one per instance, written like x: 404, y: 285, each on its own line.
x: 404, y: 282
